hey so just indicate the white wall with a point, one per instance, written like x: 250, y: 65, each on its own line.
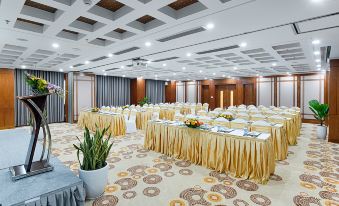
x: 287, y: 91
x: 265, y: 89
x: 180, y: 91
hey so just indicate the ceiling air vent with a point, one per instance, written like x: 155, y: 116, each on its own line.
x: 107, y: 70
x: 99, y: 58
x: 126, y: 50
x: 165, y: 59
x: 78, y: 65
x: 182, y: 34
x: 218, y: 50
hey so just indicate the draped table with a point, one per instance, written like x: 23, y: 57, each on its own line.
x: 116, y: 122
x: 237, y: 155
x: 142, y: 118
x: 167, y: 114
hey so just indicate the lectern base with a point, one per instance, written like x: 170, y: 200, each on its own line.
x: 19, y: 171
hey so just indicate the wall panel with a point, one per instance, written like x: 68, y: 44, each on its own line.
x: 7, y: 98
x: 265, y: 90
x: 287, y: 91
x: 180, y: 92
x: 84, y: 93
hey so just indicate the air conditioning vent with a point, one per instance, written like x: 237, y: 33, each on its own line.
x: 165, y: 59
x: 182, y: 34
x: 99, y: 58
x: 127, y: 50
x: 218, y: 50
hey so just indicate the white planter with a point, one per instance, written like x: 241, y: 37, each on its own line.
x: 321, y: 132
x: 94, y: 181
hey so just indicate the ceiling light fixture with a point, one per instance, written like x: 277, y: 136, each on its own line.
x: 183, y: 68
x: 209, y: 26
x: 289, y: 74
x: 223, y: 75
x: 23, y: 66
x: 167, y: 79
x: 200, y: 71
x: 228, y: 76
x: 71, y: 67
x: 164, y: 65
x: 61, y: 70
x: 55, y: 45
x: 149, y: 61
x: 214, y: 73
x: 121, y: 66
x: 188, y: 54
x: 105, y: 74
x: 235, y: 68
x: 257, y: 75
x: 86, y: 62
x: 318, y: 65
x: 110, y: 55
x: 316, y: 53
x: 103, y: 70
x: 274, y: 64
x: 123, y: 75
x: 148, y: 44
x: 174, y: 74
x: 205, y: 78
x: 317, y: 60
x: 243, y: 44
x: 315, y: 42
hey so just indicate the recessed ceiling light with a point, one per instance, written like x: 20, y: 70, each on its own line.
x: 71, y: 67
x: 148, y: 44
x: 228, y: 76
x: 167, y: 79
x: 316, y: 53
x: 205, y: 78
x: 318, y: 65
x: 223, y: 75
x: 103, y: 70
x: 235, y: 68
x: 183, y: 68
x: 110, y: 55
x: 188, y: 54
x: 257, y: 75
x: 105, y: 74
x: 288, y: 73
x: 200, y: 71
x: 209, y: 26
x: 274, y: 64
x: 317, y: 60
x: 174, y: 74
x: 164, y: 65
x: 156, y: 75
x: 121, y: 66
x: 55, y: 45
x: 243, y: 44
x: 86, y: 62
x: 316, y: 41
x: 319, y: 69
x: 123, y: 75
x: 23, y: 66
x: 213, y: 73
x: 61, y: 70
x: 149, y: 61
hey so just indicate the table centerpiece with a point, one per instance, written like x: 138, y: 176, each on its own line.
x: 193, y: 123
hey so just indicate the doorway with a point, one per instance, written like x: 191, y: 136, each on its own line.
x: 249, y: 95
x: 226, y: 95
x: 205, y: 94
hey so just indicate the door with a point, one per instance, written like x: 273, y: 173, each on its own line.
x: 205, y: 94
x: 225, y: 95
x: 249, y: 96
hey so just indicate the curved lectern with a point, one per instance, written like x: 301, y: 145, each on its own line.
x: 36, y: 105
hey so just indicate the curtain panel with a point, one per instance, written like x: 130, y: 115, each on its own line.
x: 155, y: 91
x: 54, y: 104
x: 112, y: 91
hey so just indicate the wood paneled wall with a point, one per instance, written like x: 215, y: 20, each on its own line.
x: 170, y: 92
x: 7, y: 98
x: 333, y: 98
x: 138, y: 90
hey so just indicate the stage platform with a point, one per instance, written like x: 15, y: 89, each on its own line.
x: 58, y: 187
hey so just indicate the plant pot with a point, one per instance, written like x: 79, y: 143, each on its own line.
x: 94, y: 181
x: 321, y: 132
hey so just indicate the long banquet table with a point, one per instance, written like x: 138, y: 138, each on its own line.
x: 116, y: 122
x: 240, y: 156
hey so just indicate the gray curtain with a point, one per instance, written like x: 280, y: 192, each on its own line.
x: 112, y: 91
x: 155, y: 91
x: 54, y: 105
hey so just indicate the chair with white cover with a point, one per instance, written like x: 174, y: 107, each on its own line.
x: 192, y: 107
x: 213, y: 114
x: 242, y: 106
x: 155, y: 116
x: 220, y: 121
x: 250, y: 107
x: 205, y: 107
x: 218, y: 109
x: 243, y: 115
x: 257, y: 117
x: 131, y: 121
x: 189, y: 116
x: 283, y: 107
x: 179, y: 117
x: 119, y: 110
x: 238, y: 124
x: 138, y: 107
x: 202, y: 113
x: 126, y: 112
x: 113, y: 109
x: 145, y: 105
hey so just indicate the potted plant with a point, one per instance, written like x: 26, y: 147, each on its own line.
x: 320, y: 113
x: 144, y: 101
x: 93, y: 167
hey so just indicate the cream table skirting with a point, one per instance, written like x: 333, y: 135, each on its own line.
x: 239, y: 156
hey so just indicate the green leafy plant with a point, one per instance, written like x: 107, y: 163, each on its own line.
x: 145, y: 100
x: 320, y: 110
x: 95, y: 149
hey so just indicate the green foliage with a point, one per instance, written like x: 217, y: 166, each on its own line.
x: 320, y: 110
x: 95, y: 149
x: 38, y: 85
x: 145, y: 100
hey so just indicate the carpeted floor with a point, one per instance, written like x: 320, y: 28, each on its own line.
x: 310, y: 175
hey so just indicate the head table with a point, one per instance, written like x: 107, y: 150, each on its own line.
x: 233, y: 153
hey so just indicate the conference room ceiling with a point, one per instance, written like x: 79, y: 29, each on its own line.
x: 181, y: 39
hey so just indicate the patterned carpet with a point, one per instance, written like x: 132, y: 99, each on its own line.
x: 310, y: 175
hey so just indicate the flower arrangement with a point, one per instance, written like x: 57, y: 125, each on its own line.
x: 125, y: 107
x: 193, y: 123
x: 41, y: 86
x: 95, y: 109
x: 229, y: 117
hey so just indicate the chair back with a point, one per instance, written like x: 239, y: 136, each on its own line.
x: 202, y: 113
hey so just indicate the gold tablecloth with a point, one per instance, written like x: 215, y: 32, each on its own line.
x: 167, y: 114
x: 116, y: 122
x: 290, y: 128
x: 239, y: 156
x: 185, y: 110
x: 142, y: 118
x: 279, y: 138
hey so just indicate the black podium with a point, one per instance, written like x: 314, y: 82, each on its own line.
x: 36, y: 105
